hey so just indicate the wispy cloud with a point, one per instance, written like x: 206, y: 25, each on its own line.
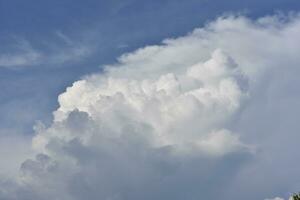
x: 24, y: 55
x: 55, y: 52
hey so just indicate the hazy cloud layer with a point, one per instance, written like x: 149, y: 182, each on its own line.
x: 168, y: 121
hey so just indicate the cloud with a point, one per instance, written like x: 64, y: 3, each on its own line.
x: 162, y: 129
x: 26, y: 55
x: 15, y: 150
x: 276, y: 198
x: 164, y: 122
x: 61, y: 50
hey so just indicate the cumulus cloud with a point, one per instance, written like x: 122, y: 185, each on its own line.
x: 145, y: 135
x: 159, y: 124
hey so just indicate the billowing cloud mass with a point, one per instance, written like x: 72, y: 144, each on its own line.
x: 164, y: 122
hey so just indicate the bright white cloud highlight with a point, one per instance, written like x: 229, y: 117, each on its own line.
x: 276, y: 198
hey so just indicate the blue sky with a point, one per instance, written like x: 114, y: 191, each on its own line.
x: 46, y: 46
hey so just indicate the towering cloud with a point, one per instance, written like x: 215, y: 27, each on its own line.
x: 162, y: 122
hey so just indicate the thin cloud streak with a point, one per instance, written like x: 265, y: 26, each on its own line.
x: 25, y: 55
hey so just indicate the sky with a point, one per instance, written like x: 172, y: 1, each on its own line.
x: 161, y: 99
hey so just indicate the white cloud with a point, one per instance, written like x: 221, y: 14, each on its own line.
x: 25, y: 55
x: 160, y: 124
x: 276, y: 198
